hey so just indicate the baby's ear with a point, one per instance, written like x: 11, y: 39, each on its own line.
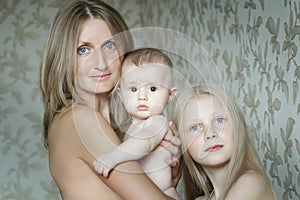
x: 172, y: 94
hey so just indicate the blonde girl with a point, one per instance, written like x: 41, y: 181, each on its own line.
x: 219, y: 160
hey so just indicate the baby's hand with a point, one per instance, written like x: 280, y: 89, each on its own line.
x: 102, y: 166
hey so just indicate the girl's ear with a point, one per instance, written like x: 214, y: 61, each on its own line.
x: 172, y: 94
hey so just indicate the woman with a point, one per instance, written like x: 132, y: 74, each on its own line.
x: 80, y: 67
x: 219, y: 160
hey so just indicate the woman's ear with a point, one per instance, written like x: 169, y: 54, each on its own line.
x: 172, y: 94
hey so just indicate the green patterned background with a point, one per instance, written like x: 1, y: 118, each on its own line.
x: 254, y: 44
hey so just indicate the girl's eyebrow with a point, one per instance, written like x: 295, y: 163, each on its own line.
x: 218, y: 114
x: 192, y: 121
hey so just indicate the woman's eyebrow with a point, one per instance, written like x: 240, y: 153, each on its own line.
x: 82, y: 43
x: 107, y: 41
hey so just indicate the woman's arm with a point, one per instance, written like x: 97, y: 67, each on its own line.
x: 128, y: 179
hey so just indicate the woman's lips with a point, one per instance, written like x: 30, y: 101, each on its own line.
x: 101, y: 77
x: 214, y: 148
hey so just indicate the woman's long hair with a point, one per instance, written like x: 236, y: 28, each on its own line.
x: 58, y: 66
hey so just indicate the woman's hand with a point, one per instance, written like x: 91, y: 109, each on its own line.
x: 172, y: 143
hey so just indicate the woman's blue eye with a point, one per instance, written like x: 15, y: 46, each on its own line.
x: 110, y: 46
x: 133, y: 89
x: 83, y: 50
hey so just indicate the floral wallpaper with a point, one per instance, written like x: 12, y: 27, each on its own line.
x: 254, y: 45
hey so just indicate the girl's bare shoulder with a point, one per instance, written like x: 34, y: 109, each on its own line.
x: 252, y: 177
x: 251, y: 185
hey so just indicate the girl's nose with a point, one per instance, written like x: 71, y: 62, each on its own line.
x: 211, y: 134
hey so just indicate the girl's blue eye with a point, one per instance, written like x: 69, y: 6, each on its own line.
x: 195, y: 127
x: 219, y: 121
x: 83, y: 50
x: 133, y: 89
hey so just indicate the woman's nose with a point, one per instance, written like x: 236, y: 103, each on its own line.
x: 100, y: 61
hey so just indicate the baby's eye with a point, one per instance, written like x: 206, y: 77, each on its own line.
x: 153, y: 88
x: 83, y: 50
x: 133, y: 89
x: 110, y: 46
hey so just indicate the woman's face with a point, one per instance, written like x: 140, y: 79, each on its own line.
x: 98, y: 64
x: 207, y: 133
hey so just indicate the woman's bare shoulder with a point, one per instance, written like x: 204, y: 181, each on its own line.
x: 63, y: 134
x: 79, y: 116
x: 82, y: 127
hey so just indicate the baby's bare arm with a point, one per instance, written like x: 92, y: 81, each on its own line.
x: 136, y: 146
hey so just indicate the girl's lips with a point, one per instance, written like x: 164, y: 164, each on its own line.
x: 214, y: 148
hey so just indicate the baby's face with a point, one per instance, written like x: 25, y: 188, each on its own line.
x: 145, y: 90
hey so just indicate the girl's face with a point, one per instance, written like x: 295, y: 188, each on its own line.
x: 98, y: 64
x: 207, y: 134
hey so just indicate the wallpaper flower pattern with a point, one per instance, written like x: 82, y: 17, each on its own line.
x: 254, y: 44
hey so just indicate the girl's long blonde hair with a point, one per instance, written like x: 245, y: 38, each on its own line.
x: 58, y: 66
x: 244, y: 157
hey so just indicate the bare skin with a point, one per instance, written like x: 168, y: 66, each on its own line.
x: 152, y: 90
x: 70, y: 161
x: 80, y: 132
x: 245, y: 187
x: 213, y: 148
x: 135, y: 147
x: 152, y: 161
